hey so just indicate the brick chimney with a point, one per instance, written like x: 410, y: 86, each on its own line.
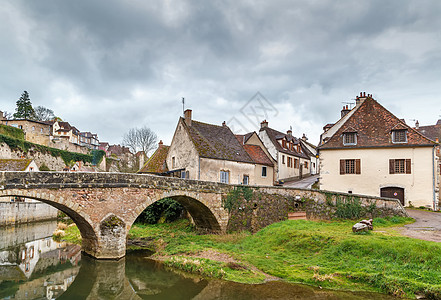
x: 224, y: 124
x: 264, y: 124
x: 359, y: 99
x: 345, y: 111
x: 161, y: 144
x: 187, y: 117
x: 289, y: 132
x: 304, y: 138
x: 417, y: 125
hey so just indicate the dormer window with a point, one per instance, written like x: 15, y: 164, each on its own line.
x: 399, y: 136
x: 350, y: 138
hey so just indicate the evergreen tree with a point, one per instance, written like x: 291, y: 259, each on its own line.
x: 24, y: 108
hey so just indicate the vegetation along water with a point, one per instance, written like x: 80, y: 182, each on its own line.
x: 317, y: 253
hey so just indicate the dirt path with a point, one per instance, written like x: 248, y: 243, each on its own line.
x: 427, y: 225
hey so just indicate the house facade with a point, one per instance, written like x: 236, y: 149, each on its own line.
x: 372, y: 152
x: 213, y: 153
x: 311, y: 151
x: 292, y: 161
x: 35, y: 131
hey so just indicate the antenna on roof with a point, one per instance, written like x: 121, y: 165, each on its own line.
x: 183, y: 106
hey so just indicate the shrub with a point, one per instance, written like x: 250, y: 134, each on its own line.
x: 165, y: 211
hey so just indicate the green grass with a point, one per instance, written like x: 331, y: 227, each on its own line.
x: 325, y: 254
x: 71, y: 235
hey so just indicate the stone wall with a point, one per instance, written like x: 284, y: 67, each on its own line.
x: 23, y: 212
x: 264, y: 206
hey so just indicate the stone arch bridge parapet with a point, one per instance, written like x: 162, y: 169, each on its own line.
x: 105, y: 205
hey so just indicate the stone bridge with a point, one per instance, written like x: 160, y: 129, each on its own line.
x: 105, y: 205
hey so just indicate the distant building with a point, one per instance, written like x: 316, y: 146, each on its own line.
x: 287, y: 150
x: 89, y: 140
x: 35, y: 131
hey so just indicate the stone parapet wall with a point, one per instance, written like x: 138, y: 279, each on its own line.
x: 24, y: 212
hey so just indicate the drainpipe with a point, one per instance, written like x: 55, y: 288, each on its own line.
x: 199, y: 168
x: 435, y: 208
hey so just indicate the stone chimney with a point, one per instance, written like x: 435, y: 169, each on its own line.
x: 161, y: 144
x: 187, y: 117
x: 417, y: 125
x: 264, y: 124
x: 304, y: 138
x: 345, y: 111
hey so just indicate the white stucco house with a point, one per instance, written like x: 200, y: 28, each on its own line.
x: 372, y: 152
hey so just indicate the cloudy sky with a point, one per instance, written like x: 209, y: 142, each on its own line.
x: 108, y: 66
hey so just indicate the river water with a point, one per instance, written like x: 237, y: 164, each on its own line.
x: 33, y: 266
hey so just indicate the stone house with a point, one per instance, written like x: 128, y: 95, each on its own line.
x: 213, y: 153
x: 292, y: 159
x: 63, y: 130
x: 370, y: 151
x: 89, y: 140
x: 35, y: 131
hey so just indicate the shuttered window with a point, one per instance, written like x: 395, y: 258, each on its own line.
x: 400, y: 166
x: 350, y: 166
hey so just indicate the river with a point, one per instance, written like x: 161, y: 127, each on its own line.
x: 33, y: 266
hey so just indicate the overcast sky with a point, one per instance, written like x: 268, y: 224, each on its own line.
x: 108, y: 66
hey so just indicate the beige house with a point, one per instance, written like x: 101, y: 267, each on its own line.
x: 213, y: 153
x: 372, y: 152
x: 63, y: 130
x: 287, y: 150
x: 35, y: 131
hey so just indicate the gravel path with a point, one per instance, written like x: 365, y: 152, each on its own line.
x: 427, y: 225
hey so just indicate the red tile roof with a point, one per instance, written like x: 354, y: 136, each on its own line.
x: 258, y: 155
x: 433, y: 132
x: 374, y: 124
x: 275, y: 136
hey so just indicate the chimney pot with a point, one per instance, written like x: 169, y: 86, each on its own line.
x: 224, y: 124
x: 364, y: 94
x: 187, y: 117
x: 417, y: 124
x: 264, y: 124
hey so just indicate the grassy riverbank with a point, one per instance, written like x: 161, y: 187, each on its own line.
x: 325, y: 254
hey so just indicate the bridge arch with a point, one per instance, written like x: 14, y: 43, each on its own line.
x: 206, y: 218
x: 81, y: 219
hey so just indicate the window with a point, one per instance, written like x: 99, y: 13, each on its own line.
x: 350, y: 166
x: 283, y: 143
x: 400, y: 166
x: 290, y: 162
x: 41, y: 130
x: 263, y: 171
x: 173, y: 162
x: 350, y: 138
x: 183, y: 174
x: 296, y: 163
x: 246, y: 179
x: 283, y: 159
x: 33, y: 128
x: 306, y: 165
x: 224, y: 176
x: 399, y: 136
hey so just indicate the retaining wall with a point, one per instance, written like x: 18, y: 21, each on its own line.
x: 23, y: 212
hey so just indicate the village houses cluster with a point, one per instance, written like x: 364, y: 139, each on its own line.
x: 368, y: 151
x: 62, y: 135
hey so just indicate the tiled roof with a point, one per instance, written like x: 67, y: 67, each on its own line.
x: 275, y: 135
x: 157, y: 162
x: 14, y: 164
x: 218, y: 142
x: 433, y: 132
x: 373, y: 124
x: 258, y: 155
x: 118, y: 150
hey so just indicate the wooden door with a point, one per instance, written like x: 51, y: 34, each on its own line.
x: 393, y: 192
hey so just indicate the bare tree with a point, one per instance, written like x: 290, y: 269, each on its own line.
x: 7, y: 115
x: 140, y: 139
x: 44, y: 114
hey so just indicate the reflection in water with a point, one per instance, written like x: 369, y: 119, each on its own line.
x: 32, y: 265
x: 43, y: 269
